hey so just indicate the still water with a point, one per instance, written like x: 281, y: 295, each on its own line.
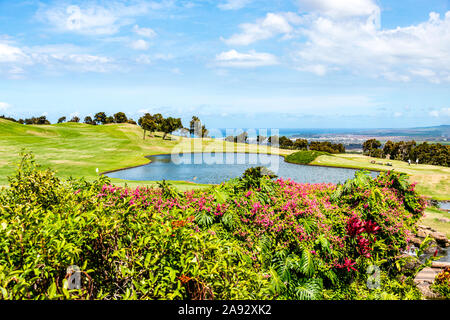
x: 216, y: 168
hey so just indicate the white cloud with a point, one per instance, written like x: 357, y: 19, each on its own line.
x: 163, y: 56
x: 144, y: 59
x: 139, y: 45
x: 317, y: 69
x: 176, y: 71
x: 4, y: 106
x: 273, y: 24
x: 9, y: 53
x: 236, y: 59
x: 144, y: 32
x: 93, y: 19
x: 340, y: 8
x: 233, y: 4
x: 398, y: 114
x: 52, y: 57
x: 443, y: 112
x: 360, y: 46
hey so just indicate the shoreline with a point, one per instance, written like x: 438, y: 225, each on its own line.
x: 246, y: 152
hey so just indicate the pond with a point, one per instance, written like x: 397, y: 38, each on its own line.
x: 444, y: 205
x: 215, y: 168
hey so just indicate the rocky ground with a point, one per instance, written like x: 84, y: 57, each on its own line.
x: 425, y: 278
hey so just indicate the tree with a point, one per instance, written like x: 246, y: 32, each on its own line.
x: 340, y: 148
x: 109, y: 119
x: 388, y: 149
x: 62, y: 119
x: 8, y: 118
x: 242, y: 138
x: 120, y: 117
x: 169, y: 125
x: 204, y: 132
x: 75, y: 119
x: 158, y: 118
x: 88, y: 120
x: 38, y: 120
x: 301, y: 144
x: 195, y: 125
x: 370, y: 145
x: 285, y: 142
x: 100, y: 118
x: 326, y: 146
x: 274, y: 140
x: 147, y: 123
x: 260, y: 139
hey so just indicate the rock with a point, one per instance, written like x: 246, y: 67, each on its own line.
x: 411, y: 262
x: 440, y: 265
x: 441, y: 239
x: 431, y: 249
x: 424, y: 227
x: 416, y: 241
x: 427, y: 293
x: 421, y: 233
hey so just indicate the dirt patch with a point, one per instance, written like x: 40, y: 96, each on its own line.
x: 41, y: 133
x: 71, y: 162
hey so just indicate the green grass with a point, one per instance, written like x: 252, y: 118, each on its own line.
x: 432, y: 181
x: 304, y: 157
x: 75, y: 149
x: 435, y: 219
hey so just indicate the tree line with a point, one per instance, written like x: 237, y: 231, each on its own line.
x: 286, y: 143
x: 303, y: 144
x: 151, y: 123
x: 425, y: 153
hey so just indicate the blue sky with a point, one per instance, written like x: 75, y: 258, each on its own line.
x: 234, y: 63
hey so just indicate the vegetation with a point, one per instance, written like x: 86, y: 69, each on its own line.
x: 304, y: 157
x: 240, y: 138
x: 326, y: 146
x: 148, y: 123
x: 435, y: 154
x: 432, y: 181
x: 302, y: 144
x: 75, y: 119
x: 250, y: 238
x: 196, y: 128
x: 33, y: 120
x: 442, y: 283
x: 77, y: 150
x: 8, y: 118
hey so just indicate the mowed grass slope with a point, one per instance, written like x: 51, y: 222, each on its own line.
x: 432, y: 181
x: 75, y: 149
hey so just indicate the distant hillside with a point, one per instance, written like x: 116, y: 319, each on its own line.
x: 442, y: 131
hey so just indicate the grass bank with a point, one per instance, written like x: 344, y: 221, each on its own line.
x: 437, y: 219
x: 304, y: 156
x: 77, y: 150
x: 432, y: 181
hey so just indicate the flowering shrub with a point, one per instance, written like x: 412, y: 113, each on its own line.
x: 442, y: 283
x: 241, y: 240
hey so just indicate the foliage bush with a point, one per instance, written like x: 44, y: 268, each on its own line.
x: 434, y: 154
x: 304, y: 157
x: 274, y: 239
x: 442, y: 283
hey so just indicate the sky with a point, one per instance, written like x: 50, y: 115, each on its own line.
x: 233, y: 63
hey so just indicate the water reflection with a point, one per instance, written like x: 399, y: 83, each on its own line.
x: 214, y: 168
